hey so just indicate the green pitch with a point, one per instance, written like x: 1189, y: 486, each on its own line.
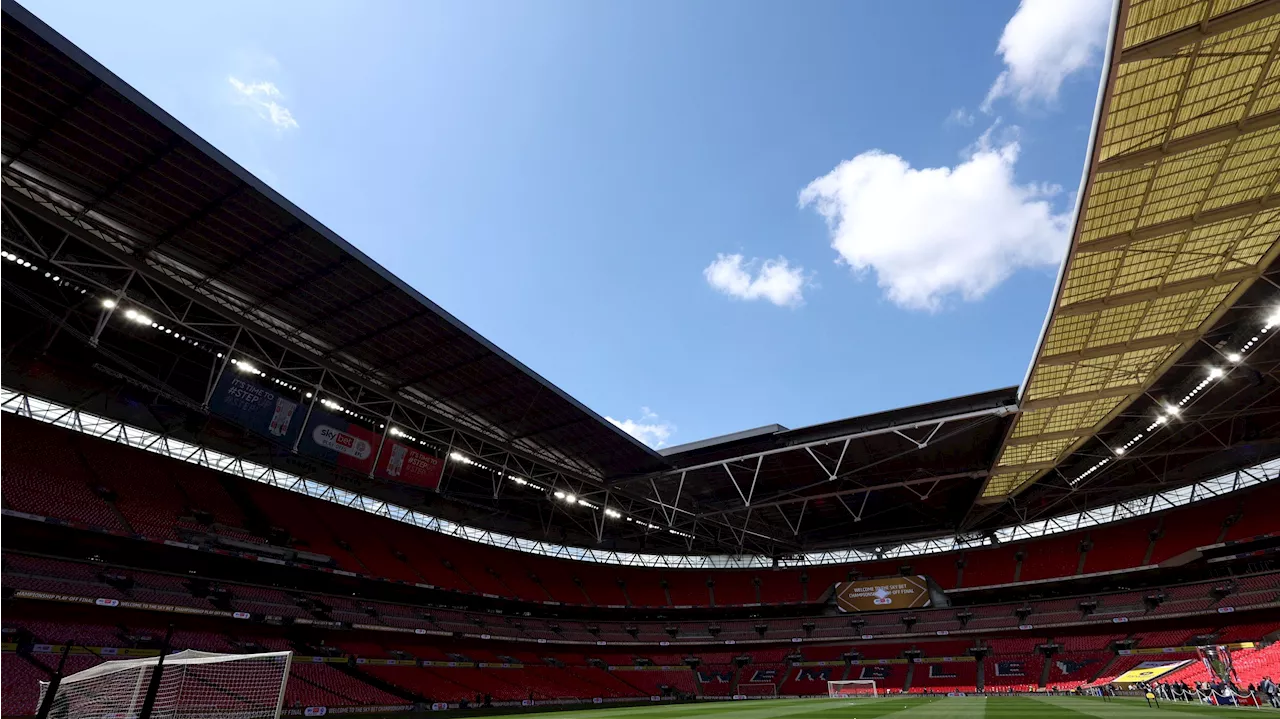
x: 1045, y: 707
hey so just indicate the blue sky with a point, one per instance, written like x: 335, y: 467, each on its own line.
x: 695, y: 217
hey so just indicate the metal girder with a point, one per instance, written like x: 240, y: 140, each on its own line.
x: 1166, y: 290
x: 797, y: 494
x: 1029, y: 467
x: 755, y: 475
x: 190, y: 220
x: 1170, y: 339
x: 552, y: 428
x: 288, y: 289
x: 1169, y: 44
x: 230, y: 265
x: 1181, y: 224
x: 324, y: 318
x: 49, y: 125
x: 268, y: 362
x: 1048, y: 436
x: 895, y: 429
x: 365, y: 337
x: 1204, y: 138
x: 804, y: 500
x: 117, y: 184
x: 444, y: 370
x: 835, y: 472
x: 1122, y: 391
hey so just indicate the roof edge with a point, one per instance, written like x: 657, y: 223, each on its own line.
x: 33, y: 23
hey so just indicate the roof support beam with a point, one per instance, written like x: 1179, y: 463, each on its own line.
x: 322, y: 319
x: 118, y: 184
x: 1173, y: 338
x: 1138, y: 158
x: 549, y: 428
x: 803, y: 500
x: 1049, y: 436
x: 1166, y: 290
x: 1182, y: 224
x: 443, y: 370
x: 1123, y: 391
x: 289, y: 289
x: 361, y: 339
x: 53, y: 122
x: 244, y: 257
x: 1169, y: 45
x: 191, y: 220
x: 1015, y: 468
x: 931, y: 423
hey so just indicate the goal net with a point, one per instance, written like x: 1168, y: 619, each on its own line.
x: 193, y: 685
x: 852, y: 688
x: 758, y: 689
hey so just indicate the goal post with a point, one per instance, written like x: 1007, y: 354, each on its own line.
x: 192, y: 684
x: 852, y: 688
x: 758, y: 689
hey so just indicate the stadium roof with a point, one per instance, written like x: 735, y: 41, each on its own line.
x: 1178, y: 217
x: 78, y: 140
x: 1177, y: 222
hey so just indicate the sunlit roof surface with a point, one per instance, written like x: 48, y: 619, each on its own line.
x: 1180, y: 215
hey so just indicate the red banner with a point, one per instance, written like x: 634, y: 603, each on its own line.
x: 402, y: 463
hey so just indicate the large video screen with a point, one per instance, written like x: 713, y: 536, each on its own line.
x: 873, y: 595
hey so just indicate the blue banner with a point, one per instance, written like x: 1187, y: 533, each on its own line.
x: 259, y: 408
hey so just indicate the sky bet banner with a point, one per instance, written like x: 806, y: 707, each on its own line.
x: 331, y: 436
x: 261, y: 408
x: 257, y: 407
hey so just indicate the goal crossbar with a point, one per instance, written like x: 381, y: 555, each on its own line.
x: 193, y: 683
x: 852, y: 688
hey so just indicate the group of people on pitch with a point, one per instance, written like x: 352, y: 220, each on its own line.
x: 1224, y: 693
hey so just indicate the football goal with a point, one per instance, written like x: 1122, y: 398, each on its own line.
x: 758, y: 689
x: 193, y: 685
x: 852, y: 688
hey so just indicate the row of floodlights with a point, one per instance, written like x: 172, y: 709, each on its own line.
x: 28, y: 264
x: 566, y: 497
x: 143, y: 320
x: 1171, y: 411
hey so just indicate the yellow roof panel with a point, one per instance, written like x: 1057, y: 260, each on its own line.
x: 1181, y: 213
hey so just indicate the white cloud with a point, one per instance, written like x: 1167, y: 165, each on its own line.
x: 961, y: 117
x: 1043, y: 43
x: 777, y: 281
x: 935, y: 232
x: 650, y: 429
x: 264, y: 97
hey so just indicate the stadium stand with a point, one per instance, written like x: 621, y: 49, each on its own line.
x: 937, y: 677
x: 1051, y: 557
x: 355, y: 541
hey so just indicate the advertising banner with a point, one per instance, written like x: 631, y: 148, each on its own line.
x: 331, y: 436
x: 1147, y: 671
x: 257, y: 407
x: 402, y: 463
x: 871, y: 595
